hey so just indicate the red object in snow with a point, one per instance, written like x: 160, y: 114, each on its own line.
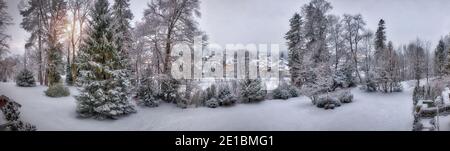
x: 3, y: 101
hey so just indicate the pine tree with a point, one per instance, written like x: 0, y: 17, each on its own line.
x: 225, y: 96
x: 252, y: 90
x: 25, y: 78
x: 380, y: 40
x: 147, y: 92
x: 295, y: 40
x: 122, y: 16
x: 102, y: 80
x: 439, y: 58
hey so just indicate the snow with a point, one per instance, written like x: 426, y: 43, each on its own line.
x: 368, y: 112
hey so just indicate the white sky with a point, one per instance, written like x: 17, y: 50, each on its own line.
x: 266, y: 21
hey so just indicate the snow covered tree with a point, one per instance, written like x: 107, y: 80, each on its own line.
x: 317, y: 77
x: 102, y: 81
x: 295, y: 40
x: 252, y: 90
x: 336, y: 40
x: 353, y: 26
x: 380, y: 40
x: 78, y: 11
x: 147, y: 92
x: 439, y: 59
x: 416, y: 52
x: 5, y: 20
x: 173, y: 21
x: 122, y: 16
x: 45, y: 20
x: 25, y: 78
x: 225, y: 96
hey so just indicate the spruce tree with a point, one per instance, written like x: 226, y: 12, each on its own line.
x: 25, y: 78
x: 122, y: 16
x: 380, y: 40
x: 252, y: 90
x: 439, y: 58
x: 295, y: 40
x: 102, y: 80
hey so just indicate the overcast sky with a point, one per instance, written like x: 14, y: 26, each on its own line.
x: 266, y: 21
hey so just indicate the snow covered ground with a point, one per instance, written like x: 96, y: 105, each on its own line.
x: 369, y: 111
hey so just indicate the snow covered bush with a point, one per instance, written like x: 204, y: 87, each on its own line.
x: 147, y: 93
x: 252, y: 90
x: 57, y: 90
x: 169, y: 88
x: 212, y: 103
x: 294, y: 91
x: 281, y: 93
x: 19, y: 126
x: 345, y: 97
x: 343, y: 78
x: 225, y: 96
x: 11, y: 110
x: 25, y: 79
x: 210, y: 97
x: 11, y: 114
x: 326, y: 102
x: 285, y: 91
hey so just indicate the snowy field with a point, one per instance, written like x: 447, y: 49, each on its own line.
x: 369, y: 112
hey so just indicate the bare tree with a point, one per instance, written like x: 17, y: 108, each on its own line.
x: 353, y: 26
x: 174, y: 19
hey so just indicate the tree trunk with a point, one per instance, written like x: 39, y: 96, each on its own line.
x: 167, y: 60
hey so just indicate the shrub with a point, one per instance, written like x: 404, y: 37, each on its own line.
x: 212, y: 103
x: 147, y: 93
x: 282, y: 94
x: 11, y: 111
x: 252, y: 90
x: 294, y: 91
x: 57, y: 90
x: 12, y: 114
x: 345, y: 97
x: 325, y: 101
x: 19, y: 126
x: 25, y: 79
x: 225, y: 96
x: 169, y: 88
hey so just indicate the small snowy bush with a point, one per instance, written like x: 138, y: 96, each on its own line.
x: 225, y: 96
x: 326, y: 102
x: 57, y: 90
x: 147, y: 93
x: 11, y: 111
x: 212, y: 103
x: 169, y: 89
x: 285, y: 91
x: 346, y: 97
x: 12, y: 114
x: 282, y: 94
x: 19, y: 126
x: 25, y: 79
x: 294, y: 91
x: 252, y: 90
